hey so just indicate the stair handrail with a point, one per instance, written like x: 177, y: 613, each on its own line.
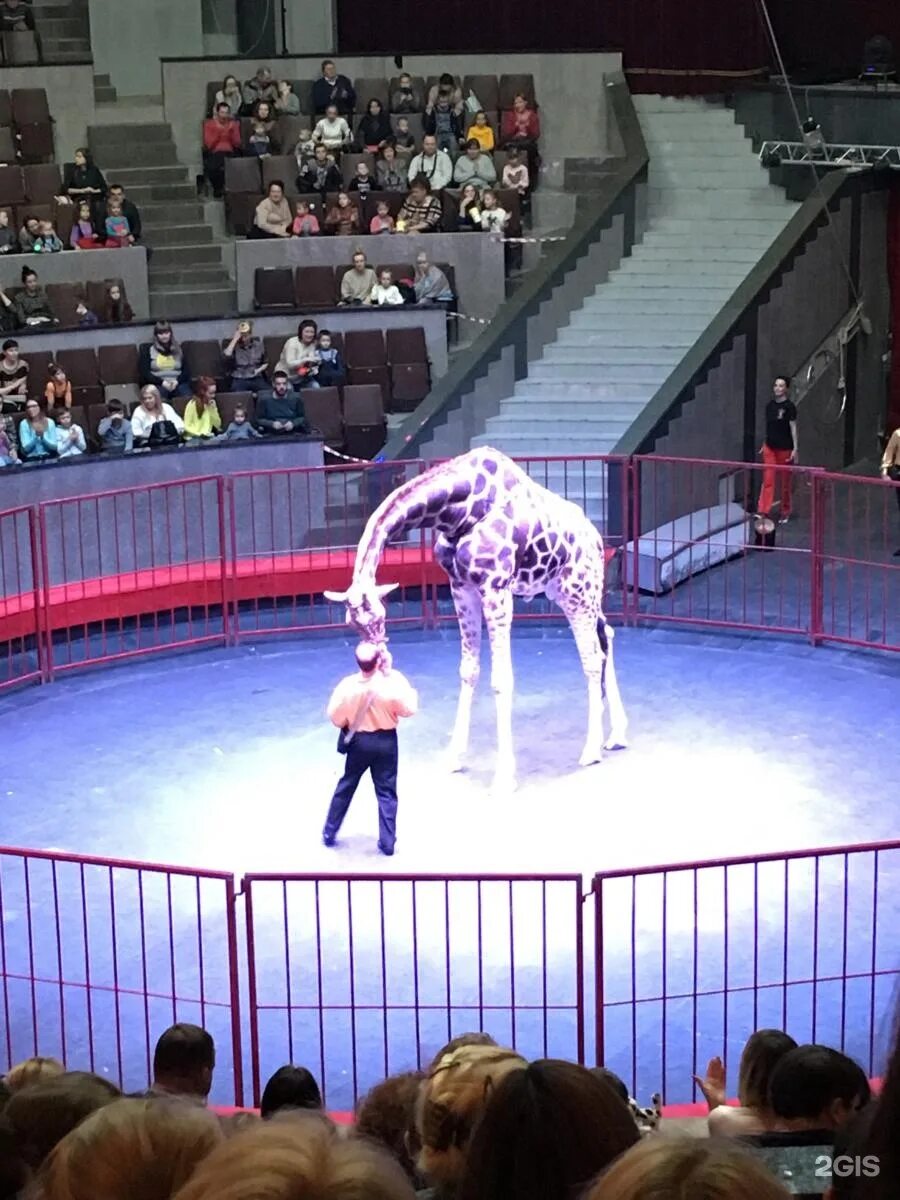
x: 508, y: 326
x: 653, y: 420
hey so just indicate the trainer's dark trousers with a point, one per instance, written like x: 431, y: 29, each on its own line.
x: 375, y: 752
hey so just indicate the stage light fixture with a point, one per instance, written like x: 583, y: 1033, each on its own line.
x: 771, y: 159
x: 879, y: 62
x: 812, y: 136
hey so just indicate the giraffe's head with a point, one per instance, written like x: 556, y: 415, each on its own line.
x: 365, y: 609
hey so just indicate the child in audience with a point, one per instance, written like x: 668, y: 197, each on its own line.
x: 114, y: 431
x: 494, y: 218
x: 118, y: 231
x: 361, y: 181
x: 288, y: 102
x: 83, y: 235
x: 406, y: 97
x: 69, y: 436
x: 239, y: 428
x: 47, y: 240
x: 482, y: 132
x: 404, y: 142
x: 515, y: 173
x: 382, y: 222
x: 9, y: 455
x: 332, y: 372
x: 343, y: 219
x: 385, y: 291
x: 86, y: 318
x: 58, y: 392
x: 305, y: 148
x: 259, y: 143
x: 468, y: 219
x: 306, y: 223
x: 116, y: 309
x: 9, y: 242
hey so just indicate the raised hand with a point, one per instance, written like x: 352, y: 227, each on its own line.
x: 712, y: 1085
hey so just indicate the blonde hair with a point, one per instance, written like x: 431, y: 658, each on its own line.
x: 451, y: 1100
x: 295, y: 1156
x: 687, y: 1168
x: 32, y: 1070
x: 131, y: 1150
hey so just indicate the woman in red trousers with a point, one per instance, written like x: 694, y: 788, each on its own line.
x: 778, y: 449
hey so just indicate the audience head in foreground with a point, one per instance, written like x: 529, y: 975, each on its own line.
x: 386, y: 1115
x: 290, y: 1088
x: 183, y: 1062
x: 815, y: 1087
x: 42, y: 1114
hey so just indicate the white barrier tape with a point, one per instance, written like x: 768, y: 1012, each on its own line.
x: 521, y: 241
x: 347, y: 457
x: 464, y: 317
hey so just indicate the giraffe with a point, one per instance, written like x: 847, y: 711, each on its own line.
x: 499, y: 535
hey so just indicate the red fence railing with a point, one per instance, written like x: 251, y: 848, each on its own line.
x: 691, y: 958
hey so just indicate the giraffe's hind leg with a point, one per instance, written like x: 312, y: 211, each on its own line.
x: 618, y: 733
x: 467, y: 602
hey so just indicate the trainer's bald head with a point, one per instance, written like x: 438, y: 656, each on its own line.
x: 367, y: 657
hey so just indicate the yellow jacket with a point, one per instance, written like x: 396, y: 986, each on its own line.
x: 483, y: 135
x: 201, y: 421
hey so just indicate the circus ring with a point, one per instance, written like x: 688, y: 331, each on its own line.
x: 197, y: 785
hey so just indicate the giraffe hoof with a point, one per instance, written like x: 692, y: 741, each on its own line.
x: 454, y: 763
x: 589, y: 757
x: 616, y: 743
x: 504, y: 783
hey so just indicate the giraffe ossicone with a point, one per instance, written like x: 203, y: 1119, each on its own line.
x: 499, y: 535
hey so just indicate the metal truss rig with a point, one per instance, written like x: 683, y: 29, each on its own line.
x: 832, y: 154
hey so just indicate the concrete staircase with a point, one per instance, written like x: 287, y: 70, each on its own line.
x: 187, y: 275
x: 711, y: 214
x: 104, y: 92
x: 64, y: 29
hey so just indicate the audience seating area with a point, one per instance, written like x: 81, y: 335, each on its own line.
x: 278, y: 288
x: 20, y: 48
x: 26, y: 127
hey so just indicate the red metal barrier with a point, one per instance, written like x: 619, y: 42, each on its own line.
x: 22, y: 646
x: 364, y: 976
x: 98, y: 956
x: 691, y: 958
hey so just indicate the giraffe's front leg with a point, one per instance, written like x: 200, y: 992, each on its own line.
x: 467, y: 603
x: 584, y: 629
x: 618, y: 733
x: 498, y: 607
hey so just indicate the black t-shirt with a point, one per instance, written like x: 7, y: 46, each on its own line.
x: 779, y: 414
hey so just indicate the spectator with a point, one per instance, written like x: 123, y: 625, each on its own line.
x: 358, y: 284
x: 84, y: 235
x: 230, y: 94
x: 47, y: 240
x: 686, y: 1166
x: 281, y: 409
x: 421, y: 211
x: 37, y: 433
x: 515, y: 174
x: 815, y: 1088
x: 389, y: 173
x: 58, y: 390
x: 385, y: 291
x: 494, y: 218
x: 13, y: 373
x: 332, y: 372
x: 890, y: 466
x: 9, y: 241
x: 221, y: 141
x: 201, y: 415
x: 382, y: 222
x: 16, y: 17
x: 547, y: 1131
x: 763, y: 1051
x: 239, y: 428
x: 386, y: 1114
x: 9, y: 457
x: 779, y: 448
x: 300, y: 356
x: 86, y: 318
x: 131, y: 211
x: 475, y: 167
x: 305, y: 148
x: 70, y: 442
x: 161, y: 363
x: 468, y: 219
x: 30, y: 306
x: 289, y: 1088
x: 114, y: 431
x: 28, y: 234
x: 245, y: 357
x: 521, y: 127
x: 361, y: 181
x: 42, y: 1114
x: 451, y: 1101
x: 116, y: 309
x: 261, y: 87
x: 407, y: 96
x: 287, y: 103
x: 446, y: 91
x: 156, y: 423
x: 432, y: 165
x: 343, y: 218
x: 404, y: 142
x: 333, y: 89
x: 185, y: 1056
x: 273, y: 217
x: 263, y: 139
x: 321, y: 175
x: 32, y: 1071
x: 444, y: 124
x: 134, y: 1149
x: 332, y: 131
x: 431, y: 283
x: 481, y: 131
x: 374, y: 130
x: 118, y: 231
x: 84, y: 181
x: 294, y: 1159
x: 306, y: 223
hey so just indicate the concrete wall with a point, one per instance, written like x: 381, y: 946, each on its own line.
x: 73, y: 267
x: 845, y: 115
x: 311, y: 28
x: 477, y: 259
x: 871, y: 371
x: 128, y: 39
x: 219, y: 22
x: 569, y: 89
x: 70, y: 95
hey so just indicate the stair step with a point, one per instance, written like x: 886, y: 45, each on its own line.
x: 585, y: 381
x: 102, y: 80
x: 207, y: 274
x: 671, y: 322
x: 186, y: 255
x: 680, y: 269
x: 147, y: 193
x: 150, y: 155
x: 127, y: 134
x: 188, y: 302
x: 105, y: 95
x: 178, y: 212
x: 154, y: 176
x: 171, y: 235
x: 705, y: 240
x: 616, y: 357
x: 638, y: 306
x: 557, y: 426
x: 62, y: 27
x: 650, y: 374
